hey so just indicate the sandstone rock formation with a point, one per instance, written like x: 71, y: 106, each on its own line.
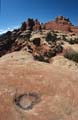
x: 41, y: 48
x: 43, y: 44
x: 37, y: 25
x: 37, y: 81
x: 60, y: 23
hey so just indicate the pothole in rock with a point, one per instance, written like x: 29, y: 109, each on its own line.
x: 27, y: 101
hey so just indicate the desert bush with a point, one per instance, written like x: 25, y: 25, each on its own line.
x: 41, y: 58
x: 36, y: 41
x: 73, y: 41
x: 58, y: 48
x: 71, y: 55
x: 50, y: 37
x: 64, y: 37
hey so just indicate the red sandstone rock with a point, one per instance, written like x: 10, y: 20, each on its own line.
x: 30, y: 24
x: 60, y: 23
x: 37, y: 25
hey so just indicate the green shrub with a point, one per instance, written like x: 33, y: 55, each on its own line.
x: 50, y: 37
x: 41, y: 58
x: 73, y: 41
x: 71, y: 55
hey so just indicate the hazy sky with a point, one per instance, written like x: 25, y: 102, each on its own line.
x: 14, y: 12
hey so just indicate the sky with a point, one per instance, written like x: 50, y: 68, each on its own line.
x: 14, y: 12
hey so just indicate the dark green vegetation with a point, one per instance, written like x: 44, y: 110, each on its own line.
x: 71, y: 55
x: 50, y: 37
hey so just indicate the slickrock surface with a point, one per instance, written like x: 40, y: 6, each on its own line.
x: 56, y: 86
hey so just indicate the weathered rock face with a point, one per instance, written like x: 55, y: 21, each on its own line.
x: 57, y: 26
x: 23, y: 26
x: 60, y: 23
x: 41, y: 49
x: 74, y: 29
x: 5, y: 42
x: 31, y: 25
x: 37, y: 25
x: 44, y: 45
x: 63, y: 20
